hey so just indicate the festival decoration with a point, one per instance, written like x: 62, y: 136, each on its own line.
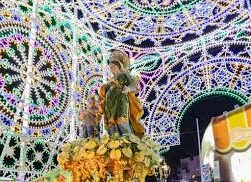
x: 49, y: 75
x: 226, y: 146
x: 233, y: 131
x: 113, y: 158
x: 183, y: 51
x: 162, y: 22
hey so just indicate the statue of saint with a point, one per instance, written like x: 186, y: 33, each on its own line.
x: 121, y: 108
x: 90, y: 119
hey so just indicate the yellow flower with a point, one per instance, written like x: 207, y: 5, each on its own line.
x: 82, y: 150
x: 127, y: 152
x: 77, y: 157
x: 115, y: 154
x: 114, y: 144
x: 62, y: 158
x: 105, y: 139
x: 139, y: 157
x: 147, y: 161
x: 90, y: 145
x: 66, y: 147
x: 89, y: 154
x: 101, y: 150
x: 76, y: 149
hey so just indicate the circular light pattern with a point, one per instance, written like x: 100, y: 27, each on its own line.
x: 160, y: 7
x: 49, y: 86
x: 37, y: 154
x: 11, y: 150
x: 124, y: 22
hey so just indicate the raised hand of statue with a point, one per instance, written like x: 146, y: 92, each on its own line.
x: 126, y: 89
x: 114, y: 82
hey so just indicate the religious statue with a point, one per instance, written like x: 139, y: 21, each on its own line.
x: 121, y: 108
x: 119, y: 156
x: 90, y: 119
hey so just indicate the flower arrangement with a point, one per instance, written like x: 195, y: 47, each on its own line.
x: 116, y: 158
x: 111, y: 154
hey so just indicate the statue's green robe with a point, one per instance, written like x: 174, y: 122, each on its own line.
x: 122, y: 110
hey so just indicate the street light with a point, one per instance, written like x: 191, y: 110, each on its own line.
x: 163, y: 171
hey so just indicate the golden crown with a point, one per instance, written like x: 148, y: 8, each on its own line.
x: 121, y: 57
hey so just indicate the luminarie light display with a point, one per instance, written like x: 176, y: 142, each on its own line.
x: 53, y: 55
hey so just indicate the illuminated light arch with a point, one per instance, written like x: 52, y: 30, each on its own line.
x: 238, y: 96
x: 224, y: 73
x: 161, y: 8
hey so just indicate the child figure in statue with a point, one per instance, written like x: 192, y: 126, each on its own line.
x: 122, y: 109
x: 90, y: 120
